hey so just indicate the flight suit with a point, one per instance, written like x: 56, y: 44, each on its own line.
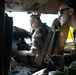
x: 69, y: 68
x: 38, y: 38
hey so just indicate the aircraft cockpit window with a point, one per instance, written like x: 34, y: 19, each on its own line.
x: 21, y: 19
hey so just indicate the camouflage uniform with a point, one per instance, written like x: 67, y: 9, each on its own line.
x: 38, y: 38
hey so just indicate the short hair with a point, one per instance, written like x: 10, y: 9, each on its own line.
x: 70, y: 3
x: 37, y: 16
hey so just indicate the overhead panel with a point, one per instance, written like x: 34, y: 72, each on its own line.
x: 41, y: 6
x: 20, y: 5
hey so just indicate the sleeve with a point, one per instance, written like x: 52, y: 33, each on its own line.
x: 68, y: 59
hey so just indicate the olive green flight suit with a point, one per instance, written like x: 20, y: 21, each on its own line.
x: 69, y: 68
x: 38, y: 38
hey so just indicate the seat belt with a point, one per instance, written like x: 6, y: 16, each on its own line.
x: 51, y: 47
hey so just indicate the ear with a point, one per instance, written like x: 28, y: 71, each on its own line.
x: 71, y: 11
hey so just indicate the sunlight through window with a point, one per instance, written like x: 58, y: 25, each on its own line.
x: 21, y: 19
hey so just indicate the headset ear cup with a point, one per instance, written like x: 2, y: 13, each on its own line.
x: 56, y: 23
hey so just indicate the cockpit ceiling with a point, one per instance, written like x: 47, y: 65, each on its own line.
x: 39, y: 6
